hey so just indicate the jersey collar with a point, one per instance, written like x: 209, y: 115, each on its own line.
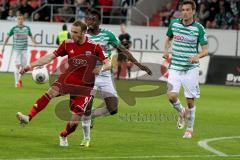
x: 188, y: 24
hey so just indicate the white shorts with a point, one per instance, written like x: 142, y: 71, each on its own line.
x: 187, y: 79
x: 20, y: 57
x: 105, y: 85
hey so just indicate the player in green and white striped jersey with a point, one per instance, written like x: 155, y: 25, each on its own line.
x: 185, y: 35
x: 20, y: 34
x: 104, y: 82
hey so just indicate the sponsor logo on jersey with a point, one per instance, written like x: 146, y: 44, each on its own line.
x: 88, y: 53
x: 78, y: 62
x: 184, y: 39
x: 20, y: 35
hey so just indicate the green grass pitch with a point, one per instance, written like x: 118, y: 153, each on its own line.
x: 143, y: 129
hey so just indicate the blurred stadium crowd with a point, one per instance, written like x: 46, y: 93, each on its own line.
x: 220, y: 14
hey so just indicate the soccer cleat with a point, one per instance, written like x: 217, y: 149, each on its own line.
x: 22, y: 118
x: 63, y: 142
x: 188, y: 134
x: 19, y: 84
x: 85, y: 143
x: 181, y: 119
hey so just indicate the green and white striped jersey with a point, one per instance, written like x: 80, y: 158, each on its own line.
x: 185, y: 41
x: 106, y: 39
x: 20, y: 37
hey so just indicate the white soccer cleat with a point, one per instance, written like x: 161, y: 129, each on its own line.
x: 63, y: 142
x: 22, y: 118
x: 182, y: 118
x: 188, y: 134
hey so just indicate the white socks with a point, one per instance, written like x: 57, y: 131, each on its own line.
x: 191, y: 118
x: 178, y: 106
x: 86, y: 122
x: 17, y: 75
x: 103, y: 111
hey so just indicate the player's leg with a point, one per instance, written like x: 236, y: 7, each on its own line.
x: 86, y: 124
x: 119, y: 70
x: 79, y: 106
x: 174, y: 86
x: 191, y: 91
x: 191, y: 118
x: 70, y: 128
x: 120, y: 61
x: 23, y: 63
x: 129, y: 66
x: 38, y: 106
x: 109, y: 94
x: 17, y: 60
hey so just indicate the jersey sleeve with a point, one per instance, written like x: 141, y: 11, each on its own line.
x: 10, y: 33
x: 100, y: 53
x: 113, y: 40
x: 29, y: 31
x: 169, y: 31
x: 61, y: 50
x: 202, y: 36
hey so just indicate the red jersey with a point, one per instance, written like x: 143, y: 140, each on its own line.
x: 82, y: 60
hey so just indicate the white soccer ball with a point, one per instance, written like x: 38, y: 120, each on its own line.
x: 40, y: 75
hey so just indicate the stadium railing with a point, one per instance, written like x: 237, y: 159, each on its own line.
x: 115, y: 10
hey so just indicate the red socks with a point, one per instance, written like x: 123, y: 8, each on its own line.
x: 68, y: 129
x: 40, y: 104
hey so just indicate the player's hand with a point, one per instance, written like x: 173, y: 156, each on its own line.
x: 146, y: 69
x: 34, y: 44
x: 165, y: 55
x: 194, y: 59
x: 97, y: 70
x: 24, y: 70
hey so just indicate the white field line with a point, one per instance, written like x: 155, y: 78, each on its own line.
x: 126, y: 157
x: 204, y: 144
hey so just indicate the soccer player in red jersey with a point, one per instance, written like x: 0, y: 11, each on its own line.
x: 77, y: 78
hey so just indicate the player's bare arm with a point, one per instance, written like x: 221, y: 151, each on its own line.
x: 4, y: 44
x: 33, y: 40
x: 167, y: 45
x: 40, y: 62
x: 202, y: 54
x: 132, y: 59
x: 106, y: 66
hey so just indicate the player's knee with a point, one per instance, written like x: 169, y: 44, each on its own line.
x: 50, y: 93
x: 190, y: 102
x: 86, y: 121
x: 74, y: 125
x: 53, y: 92
x: 172, y: 97
x: 112, y: 105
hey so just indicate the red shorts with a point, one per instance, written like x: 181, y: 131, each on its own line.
x: 76, y: 90
x: 78, y: 104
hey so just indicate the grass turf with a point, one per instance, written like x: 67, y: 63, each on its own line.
x: 144, y: 128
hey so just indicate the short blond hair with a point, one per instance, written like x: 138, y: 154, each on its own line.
x: 80, y: 24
